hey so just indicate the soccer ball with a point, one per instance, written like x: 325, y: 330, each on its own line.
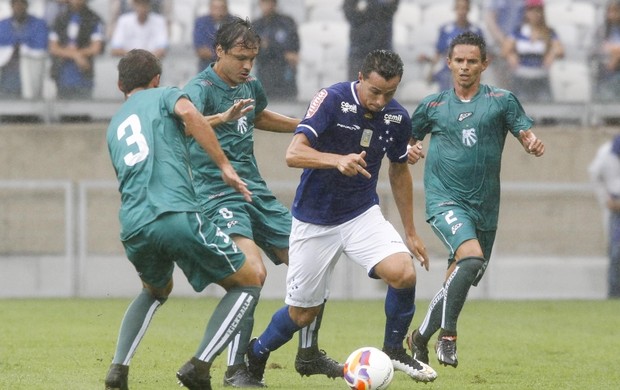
x: 368, y: 368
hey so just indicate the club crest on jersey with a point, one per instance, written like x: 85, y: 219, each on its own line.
x: 242, y: 125
x: 366, y: 137
x: 464, y: 115
x: 348, y: 107
x: 469, y: 137
x: 387, y: 118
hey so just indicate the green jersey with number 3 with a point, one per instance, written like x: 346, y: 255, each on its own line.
x: 149, y: 151
x: 464, y: 154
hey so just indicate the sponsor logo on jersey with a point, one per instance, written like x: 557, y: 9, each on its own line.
x: 387, y: 118
x: 231, y: 224
x: 242, y: 125
x: 316, y: 103
x: 353, y: 128
x: 206, y: 82
x: 464, y: 115
x: 456, y: 227
x: 348, y: 107
x: 469, y: 137
x: 436, y: 104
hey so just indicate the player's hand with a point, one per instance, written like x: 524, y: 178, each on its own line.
x: 415, y: 152
x: 417, y: 247
x: 230, y: 177
x: 237, y: 110
x: 531, y: 143
x: 353, y: 164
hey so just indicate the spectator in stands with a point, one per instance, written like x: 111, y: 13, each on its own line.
x: 23, y: 48
x: 279, y: 52
x: 609, y: 54
x: 502, y: 18
x: 76, y: 38
x: 140, y: 29
x: 447, y: 32
x: 605, y: 174
x: 205, y: 28
x: 530, y: 51
x: 371, y: 24
x: 119, y: 7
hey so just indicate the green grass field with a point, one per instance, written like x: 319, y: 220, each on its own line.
x: 68, y: 344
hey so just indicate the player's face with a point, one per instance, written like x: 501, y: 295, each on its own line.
x: 234, y: 66
x: 375, y: 92
x: 466, y: 65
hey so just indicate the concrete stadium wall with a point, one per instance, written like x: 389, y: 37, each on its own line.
x: 550, y: 243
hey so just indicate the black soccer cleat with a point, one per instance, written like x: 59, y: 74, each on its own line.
x: 418, y: 347
x: 446, y: 351
x: 240, y: 377
x: 418, y: 371
x: 195, y: 375
x: 116, y: 379
x: 320, y: 364
x: 256, y: 364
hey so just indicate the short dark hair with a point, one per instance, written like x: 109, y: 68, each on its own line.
x: 472, y: 39
x: 136, y: 69
x: 229, y: 33
x: 386, y: 63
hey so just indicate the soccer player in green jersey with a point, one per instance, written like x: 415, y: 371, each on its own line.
x: 265, y: 223
x: 468, y: 125
x: 161, y: 224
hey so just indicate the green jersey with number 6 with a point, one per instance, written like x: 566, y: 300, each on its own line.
x: 464, y: 154
x: 149, y: 151
x: 211, y: 95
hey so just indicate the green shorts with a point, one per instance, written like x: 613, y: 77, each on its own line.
x: 204, y: 253
x: 454, y: 226
x: 265, y: 221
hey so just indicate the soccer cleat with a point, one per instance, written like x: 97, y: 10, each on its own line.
x: 319, y: 364
x: 446, y: 351
x: 195, y: 375
x: 417, y: 370
x: 256, y: 365
x: 418, y: 347
x: 240, y: 377
x: 116, y: 379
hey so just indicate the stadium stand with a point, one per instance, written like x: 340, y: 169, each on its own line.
x: 324, y: 45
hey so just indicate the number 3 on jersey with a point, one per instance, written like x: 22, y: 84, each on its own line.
x: 132, y: 126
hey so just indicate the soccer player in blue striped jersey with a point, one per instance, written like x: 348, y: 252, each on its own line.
x: 347, y: 131
x: 468, y: 126
x: 161, y: 223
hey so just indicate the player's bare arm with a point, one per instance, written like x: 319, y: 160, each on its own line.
x: 236, y: 111
x: 414, y: 151
x: 301, y: 155
x: 402, y: 191
x: 197, y: 126
x: 531, y: 143
x: 272, y: 121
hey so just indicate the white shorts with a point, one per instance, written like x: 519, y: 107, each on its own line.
x: 314, y: 251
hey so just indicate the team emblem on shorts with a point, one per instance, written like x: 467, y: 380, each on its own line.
x: 469, y: 137
x: 366, y: 136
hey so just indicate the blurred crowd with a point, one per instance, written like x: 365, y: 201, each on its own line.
x: 65, y: 38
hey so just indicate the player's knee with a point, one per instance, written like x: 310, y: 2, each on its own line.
x: 258, y: 267
x: 303, y: 316
x: 161, y: 294
x: 472, y: 263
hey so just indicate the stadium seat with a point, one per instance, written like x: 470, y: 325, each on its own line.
x: 105, y: 78
x: 570, y: 82
x: 415, y: 90
x: 408, y: 14
x: 575, y: 23
x: 323, y: 56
